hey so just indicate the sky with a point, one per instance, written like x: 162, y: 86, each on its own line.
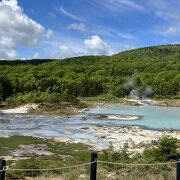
x: 32, y: 29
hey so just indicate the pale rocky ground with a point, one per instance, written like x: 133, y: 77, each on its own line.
x: 123, y: 117
x: 106, y: 138
x: 110, y: 136
x: 32, y: 150
x: 28, y: 151
x: 165, y: 102
x: 21, y: 109
x: 116, y: 137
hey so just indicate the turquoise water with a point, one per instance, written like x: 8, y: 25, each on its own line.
x: 153, y: 117
x: 158, y: 118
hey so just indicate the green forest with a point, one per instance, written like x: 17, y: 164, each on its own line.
x: 145, y: 72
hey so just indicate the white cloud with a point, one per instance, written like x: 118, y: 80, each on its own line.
x: 167, y: 31
x: 49, y: 33
x: 128, y: 4
x: 6, y: 53
x: 16, y: 28
x: 167, y: 11
x: 171, y: 30
x: 67, y: 52
x: 11, y: 3
x: 78, y: 27
x: 96, y: 46
x: 165, y: 8
x: 36, y: 55
x: 69, y: 14
x: 7, y: 42
x: 126, y: 35
x: 117, y: 6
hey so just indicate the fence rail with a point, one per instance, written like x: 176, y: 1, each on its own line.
x: 93, y: 166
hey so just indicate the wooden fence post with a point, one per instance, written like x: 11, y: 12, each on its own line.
x: 93, y: 169
x: 2, y: 173
x: 178, y: 167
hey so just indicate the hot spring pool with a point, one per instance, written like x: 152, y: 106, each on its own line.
x: 153, y: 117
x: 158, y: 118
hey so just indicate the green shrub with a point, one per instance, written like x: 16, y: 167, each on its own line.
x: 40, y: 97
x: 122, y: 156
x: 165, y: 151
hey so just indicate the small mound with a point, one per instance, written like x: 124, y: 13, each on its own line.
x: 123, y: 117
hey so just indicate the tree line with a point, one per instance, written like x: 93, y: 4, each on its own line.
x: 145, y: 72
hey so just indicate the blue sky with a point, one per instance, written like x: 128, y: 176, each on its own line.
x: 66, y: 28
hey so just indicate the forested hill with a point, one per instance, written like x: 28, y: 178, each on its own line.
x: 152, y: 71
x: 163, y: 52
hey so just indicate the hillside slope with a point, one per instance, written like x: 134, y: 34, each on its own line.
x: 152, y: 71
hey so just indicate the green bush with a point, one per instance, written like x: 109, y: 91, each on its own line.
x: 122, y: 156
x: 165, y: 151
x: 40, y: 97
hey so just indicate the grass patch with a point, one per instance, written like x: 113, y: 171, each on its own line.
x: 13, y: 142
x: 66, y: 154
x: 93, y: 101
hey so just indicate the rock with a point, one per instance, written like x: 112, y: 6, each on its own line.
x: 33, y: 106
x: 26, y: 151
x: 154, y: 142
x: 111, y: 175
x: 62, y: 139
x: 65, y: 157
x: 83, y: 176
x: 103, y: 137
x: 142, y: 144
x: 83, y: 118
x: 85, y: 128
